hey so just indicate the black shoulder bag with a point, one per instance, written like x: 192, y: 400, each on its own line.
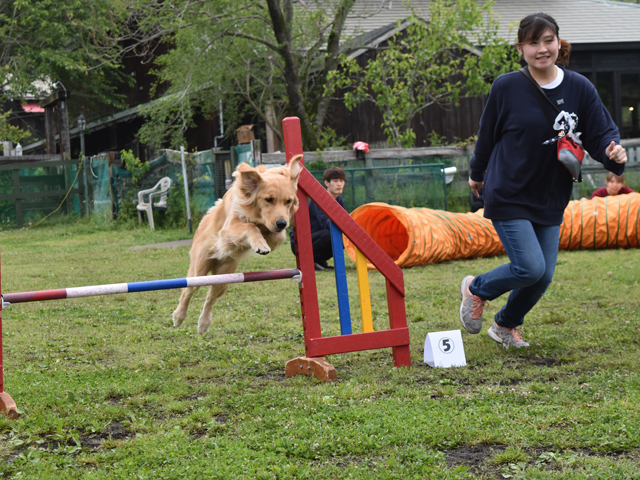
x: 570, y: 154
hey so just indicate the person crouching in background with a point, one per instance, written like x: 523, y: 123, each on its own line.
x: 615, y: 186
x: 334, y: 179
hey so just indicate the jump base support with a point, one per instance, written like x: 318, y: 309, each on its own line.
x: 317, y: 366
x: 8, y: 406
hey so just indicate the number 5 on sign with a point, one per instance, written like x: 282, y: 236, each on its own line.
x: 444, y: 349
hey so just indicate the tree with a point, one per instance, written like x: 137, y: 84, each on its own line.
x: 271, y: 58
x: 430, y: 62
x: 77, y: 42
x: 11, y: 132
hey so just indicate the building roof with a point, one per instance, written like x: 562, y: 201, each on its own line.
x: 93, y: 126
x: 580, y: 21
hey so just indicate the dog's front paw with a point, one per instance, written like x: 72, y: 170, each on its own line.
x: 178, y: 317
x: 203, y: 324
x: 261, y: 247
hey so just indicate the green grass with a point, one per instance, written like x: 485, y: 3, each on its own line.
x: 108, y: 388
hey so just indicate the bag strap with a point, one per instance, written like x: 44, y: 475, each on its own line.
x: 540, y: 96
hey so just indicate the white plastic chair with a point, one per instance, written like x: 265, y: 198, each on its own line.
x: 158, y: 192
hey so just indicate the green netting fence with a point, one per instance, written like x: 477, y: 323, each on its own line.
x: 105, y: 188
x: 29, y: 191
x: 112, y: 189
x: 419, y: 185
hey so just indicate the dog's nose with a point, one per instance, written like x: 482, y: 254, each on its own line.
x: 281, y: 224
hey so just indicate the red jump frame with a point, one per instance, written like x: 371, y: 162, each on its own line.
x: 7, y: 405
x: 316, y: 346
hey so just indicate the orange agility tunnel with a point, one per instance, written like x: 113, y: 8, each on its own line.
x: 419, y: 236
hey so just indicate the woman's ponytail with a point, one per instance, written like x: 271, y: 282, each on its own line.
x: 564, y: 53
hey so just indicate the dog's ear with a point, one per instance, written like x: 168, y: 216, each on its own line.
x: 295, y: 205
x: 295, y: 168
x: 249, y: 179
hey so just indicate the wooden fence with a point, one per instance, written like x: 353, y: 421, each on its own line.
x: 44, y: 191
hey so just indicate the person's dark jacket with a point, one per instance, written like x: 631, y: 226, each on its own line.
x: 317, y: 219
x: 522, y: 177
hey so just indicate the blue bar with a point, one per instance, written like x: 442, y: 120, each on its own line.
x: 157, y: 285
x: 341, y: 280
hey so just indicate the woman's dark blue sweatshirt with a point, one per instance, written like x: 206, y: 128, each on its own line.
x: 522, y: 177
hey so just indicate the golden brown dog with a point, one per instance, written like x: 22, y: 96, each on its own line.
x: 252, y: 215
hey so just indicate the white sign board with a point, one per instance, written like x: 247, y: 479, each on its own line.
x: 444, y: 349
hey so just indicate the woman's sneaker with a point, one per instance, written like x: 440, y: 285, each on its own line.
x: 471, y: 308
x: 506, y: 336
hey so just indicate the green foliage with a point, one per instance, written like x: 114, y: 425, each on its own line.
x: 11, y: 132
x: 176, y: 214
x: 264, y: 62
x: 133, y: 164
x: 436, y: 140
x: 433, y: 62
x: 127, y: 215
x: 330, y: 139
x: 467, y: 142
x: 76, y: 42
x: 317, y: 165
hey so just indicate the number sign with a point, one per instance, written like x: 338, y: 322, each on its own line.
x: 444, y: 349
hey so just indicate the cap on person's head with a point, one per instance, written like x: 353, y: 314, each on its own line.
x: 333, y: 173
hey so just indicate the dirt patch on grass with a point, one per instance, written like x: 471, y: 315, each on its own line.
x: 92, y: 441
x: 219, y: 421
x: 544, y: 362
x: 479, y: 458
x: 475, y: 457
x: 222, y: 418
x: 115, y: 431
x: 194, y: 397
x: 511, y: 381
x: 115, y: 399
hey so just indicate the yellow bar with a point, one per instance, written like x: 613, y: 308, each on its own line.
x: 363, y: 292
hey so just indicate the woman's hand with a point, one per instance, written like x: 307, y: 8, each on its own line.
x: 475, y: 186
x: 616, y: 153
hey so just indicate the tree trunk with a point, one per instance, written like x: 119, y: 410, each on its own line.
x: 282, y: 32
x: 332, y: 60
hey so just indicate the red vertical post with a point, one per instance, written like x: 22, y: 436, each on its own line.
x: 302, y: 239
x: 398, y: 319
x: 7, y: 405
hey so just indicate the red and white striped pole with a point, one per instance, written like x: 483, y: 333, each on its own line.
x: 8, y: 406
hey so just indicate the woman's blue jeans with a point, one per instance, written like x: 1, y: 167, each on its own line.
x: 533, y: 251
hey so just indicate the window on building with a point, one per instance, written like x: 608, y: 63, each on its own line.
x: 630, y: 104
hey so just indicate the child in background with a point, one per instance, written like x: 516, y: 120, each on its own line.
x: 615, y: 186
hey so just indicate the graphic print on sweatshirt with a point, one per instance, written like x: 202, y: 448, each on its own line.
x: 566, y: 124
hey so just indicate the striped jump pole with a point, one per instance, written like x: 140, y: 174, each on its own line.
x: 115, y: 288
x: 8, y: 406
